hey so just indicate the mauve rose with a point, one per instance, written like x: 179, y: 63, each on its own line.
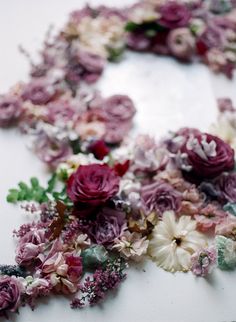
x: 181, y: 43
x: 174, y: 15
x: 39, y: 91
x: 160, y: 197
x: 26, y: 253
x: 91, y: 62
x: 99, y: 149
x: 227, y: 187
x: 115, y: 132
x: 119, y: 108
x: 109, y: 224
x: 10, y: 110
x: 92, y: 184
x: 138, y: 41
x: 208, y: 156
x: 10, y: 292
x: 212, y: 37
x: 59, y: 112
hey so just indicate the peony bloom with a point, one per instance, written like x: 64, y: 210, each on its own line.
x: 173, y: 242
x: 10, y: 110
x: 208, y: 156
x: 109, y: 224
x: 160, y: 197
x: 27, y: 253
x: 209, y: 217
x: 203, y: 261
x: 132, y: 246
x: 92, y: 184
x: 181, y: 43
x: 174, y: 15
x: 10, y: 292
x: 39, y: 91
x: 227, y: 186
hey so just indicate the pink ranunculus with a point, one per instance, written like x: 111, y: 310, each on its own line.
x: 208, y: 156
x: 174, y: 15
x: 10, y: 110
x: 10, y: 293
x: 27, y: 253
x: 160, y: 197
x: 181, y: 43
x: 116, y: 131
x: 93, y: 184
x: 119, y: 108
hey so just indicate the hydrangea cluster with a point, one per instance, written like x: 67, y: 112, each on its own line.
x: 112, y: 199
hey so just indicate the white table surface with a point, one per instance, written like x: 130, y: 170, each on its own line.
x: 167, y: 95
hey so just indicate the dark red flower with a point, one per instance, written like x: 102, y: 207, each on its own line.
x: 93, y: 184
x: 208, y: 155
x: 174, y: 15
x: 75, y: 267
x: 99, y: 149
x: 122, y: 168
x: 211, y: 38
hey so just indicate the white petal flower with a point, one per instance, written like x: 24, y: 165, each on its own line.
x: 173, y: 242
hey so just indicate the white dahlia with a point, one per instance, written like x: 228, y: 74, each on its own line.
x: 173, y: 242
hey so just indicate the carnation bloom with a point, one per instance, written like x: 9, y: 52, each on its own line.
x: 10, y: 292
x: 208, y: 156
x: 131, y: 245
x: 93, y: 184
x: 173, y: 242
x: 10, y: 110
x: 203, y: 261
x: 159, y: 197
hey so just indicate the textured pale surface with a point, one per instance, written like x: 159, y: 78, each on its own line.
x: 168, y: 95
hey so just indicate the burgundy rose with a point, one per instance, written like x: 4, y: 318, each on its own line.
x: 10, y: 292
x: 92, y: 184
x: 10, y: 110
x: 75, y: 267
x: 99, y: 149
x: 227, y: 187
x: 174, y: 15
x: 121, y: 168
x: 26, y: 253
x: 160, y: 197
x: 212, y: 37
x: 159, y: 43
x: 39, y: 91
x: 109, y: 224
x: 181, y: 43
x: 208, y: 156
x: 119, y: 108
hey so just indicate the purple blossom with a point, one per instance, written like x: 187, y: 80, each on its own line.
x: 203, y: 261
x: 160, y: 197
x: 108, y: 226
x: 226, y: 184
x: 39, y: 91
x: 10, y: 110
x: 10, y: 292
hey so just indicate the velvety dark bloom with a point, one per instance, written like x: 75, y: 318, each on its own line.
x: 10, y: 292
x: 39, y: 91
x: 212, y: 37
x: 208, y: 155
x: 160, y: 197
x: 174, y: 15
x: 122, y: 168
x: 109, y: 224
x: 93, y: 184
x: 159, y: 43
x: 10, y: 110
x: 99, y: 149
x: 227, y: 187
x: 119, y: 108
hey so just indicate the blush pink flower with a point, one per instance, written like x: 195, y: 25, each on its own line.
x: 10, y: 110
x: 10, y: 293
x: 209, y: 217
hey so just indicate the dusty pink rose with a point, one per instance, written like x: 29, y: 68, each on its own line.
x: 119, y: 108
x: 26, y: 253
x: 39, y: 91
x: 93, y: 184
x: 59, y: 112
x: 160, y: 197
x: 174, y: 15
x: 10, y: 292
x: 209, y: 217
x: 208, y: 156
x: 10, y: 110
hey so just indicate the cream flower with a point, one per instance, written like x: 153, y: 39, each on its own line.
x: 173, y: 242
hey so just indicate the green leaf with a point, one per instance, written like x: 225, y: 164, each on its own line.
x: 34, y: 182
x: 131, y: 26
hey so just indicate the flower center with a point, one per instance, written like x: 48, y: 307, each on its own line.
x: 177, y: 240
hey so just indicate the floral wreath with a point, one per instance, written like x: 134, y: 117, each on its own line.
x: 112, y: 199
